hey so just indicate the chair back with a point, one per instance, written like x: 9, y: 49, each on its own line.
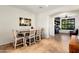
x: 15, y: 33
x: 32, y: 32
x: 38, y: 32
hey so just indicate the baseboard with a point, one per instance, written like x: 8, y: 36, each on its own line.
x: 6, y: 45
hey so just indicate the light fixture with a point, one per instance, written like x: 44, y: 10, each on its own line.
x: 40, y: 7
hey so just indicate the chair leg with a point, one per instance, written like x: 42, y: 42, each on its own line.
x: 24, y: 42
x: 29, y: 42
x: 15, y: 44
x: 39, y: 38
x: 34, y: 40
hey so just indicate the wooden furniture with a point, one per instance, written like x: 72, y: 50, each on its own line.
x: 19, y: 39
x: 74, y: 32
x: 31, y: 38
x: 38, y: 35
x: 26, y: 34
x: 27, y: 37
x: 74, y: 44
x: 57, y: 24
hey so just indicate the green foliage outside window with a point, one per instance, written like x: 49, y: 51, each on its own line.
x: 68, y: 24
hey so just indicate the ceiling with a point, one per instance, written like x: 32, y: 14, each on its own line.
x: 37, y: 8
x: 44, y: 8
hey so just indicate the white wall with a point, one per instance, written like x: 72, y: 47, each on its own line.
x: 9, y: 19
x: 45, y: 18
x: 42, y: 22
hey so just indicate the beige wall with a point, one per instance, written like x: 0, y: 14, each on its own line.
x: 9, y: 17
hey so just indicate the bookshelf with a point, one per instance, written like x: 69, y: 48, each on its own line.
x: 57, y: 24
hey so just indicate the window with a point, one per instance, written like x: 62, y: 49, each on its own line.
x: 68, y: 24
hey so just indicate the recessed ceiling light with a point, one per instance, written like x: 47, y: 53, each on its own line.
x: 40, y: 7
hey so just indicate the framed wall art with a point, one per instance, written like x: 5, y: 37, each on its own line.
x: 24, y: 21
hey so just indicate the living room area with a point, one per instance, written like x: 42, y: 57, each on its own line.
x: 65, y: 28
x: 39, y: 28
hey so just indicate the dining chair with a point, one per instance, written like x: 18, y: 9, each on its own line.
x: 18, y: 38
x: 38, y: 35
x: 31, y: 38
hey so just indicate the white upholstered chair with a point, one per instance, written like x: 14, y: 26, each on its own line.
x: 17, y: 38
x: 38, y: 35
x: 31, y: 38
